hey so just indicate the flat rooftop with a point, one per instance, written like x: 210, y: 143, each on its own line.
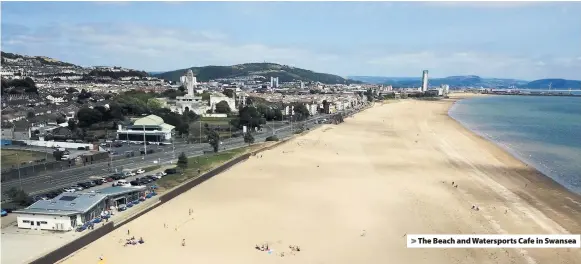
x: 77, y: 202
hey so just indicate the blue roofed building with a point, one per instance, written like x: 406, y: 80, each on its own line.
x: 70, y: 210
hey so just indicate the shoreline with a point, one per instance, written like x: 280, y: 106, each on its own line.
x: 534, y: 175
x: 508, y: 149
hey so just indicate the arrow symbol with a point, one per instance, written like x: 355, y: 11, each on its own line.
x: 414, y: 241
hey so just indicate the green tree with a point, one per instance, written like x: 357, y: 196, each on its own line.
x: 19, y: 196
x: 88, y: 116
x: 153, y: 103
x: 369, y: 95
x: 205, y: 96
x: 182, y: 89
x: 248, y: 138
x: 301, y: 111
x: 213, y: 139
x: 60, y: 120
x: 229, y: 93
x: 72, y: 124
x: 183, y: 161
x: 250, y: 117
x: 223, y: 108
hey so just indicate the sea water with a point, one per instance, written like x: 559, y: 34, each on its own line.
x: 542, y: 131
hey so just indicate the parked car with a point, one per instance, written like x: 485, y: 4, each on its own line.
x: 122, y: 183
x: 109, y: 179
x: 53, y: 194
x: 151, y: 177
x: 78, y: 187
x: 134, y: 183
x: 116, y: 177
x: 140, y: 171
x: 92, y: 183
x: 70, y: 189
x: 3, y: 213
x: 98, y: 182
x: 84, y: 185
x: 159, y: 175
x: 171, y: 171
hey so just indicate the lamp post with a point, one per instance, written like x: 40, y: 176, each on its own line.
x: 19, y: 177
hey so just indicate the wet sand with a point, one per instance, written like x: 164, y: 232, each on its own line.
x: 350, y: 193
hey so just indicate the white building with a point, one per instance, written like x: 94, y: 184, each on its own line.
x: 445, y: 88
x: 219, y: 97
x: 56, y: 99
x: 274, y: 82
x: 190, y: 102
x: 424, y: 81
x: 189, y: 81
x: 150, y: 128
x: 70, y: 210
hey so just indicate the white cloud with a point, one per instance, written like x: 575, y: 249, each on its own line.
x: 159, y: 48
x: 153, y: 48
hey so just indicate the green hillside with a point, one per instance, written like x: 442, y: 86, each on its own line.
x: 283, y: 72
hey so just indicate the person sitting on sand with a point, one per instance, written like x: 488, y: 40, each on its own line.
x: 257, y: 247
x: 141, y: 240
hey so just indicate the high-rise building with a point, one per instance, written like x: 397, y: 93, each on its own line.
x: 274, y: 82
x: 425, y: 81
x: 445, y: 88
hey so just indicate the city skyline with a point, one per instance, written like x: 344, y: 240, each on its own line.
x: 521, y: 40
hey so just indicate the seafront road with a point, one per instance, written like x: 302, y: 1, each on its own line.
x: 54, y: 180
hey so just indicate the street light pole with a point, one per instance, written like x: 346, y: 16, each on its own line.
x: 144, y: 144
x: 19, y: 177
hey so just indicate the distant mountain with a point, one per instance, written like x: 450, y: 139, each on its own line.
x: 285, y: 73
x: 554, y: 83
x: 471, y: 81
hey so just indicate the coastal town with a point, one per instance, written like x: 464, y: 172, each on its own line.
x: 235, y: 154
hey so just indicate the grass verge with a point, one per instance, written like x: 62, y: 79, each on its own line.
x: 204, y: 163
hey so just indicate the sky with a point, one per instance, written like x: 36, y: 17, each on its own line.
x: 521, y: 40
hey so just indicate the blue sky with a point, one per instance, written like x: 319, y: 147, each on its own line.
x: 524, y: 40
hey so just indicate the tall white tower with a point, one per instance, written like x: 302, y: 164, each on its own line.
x: 189, y: 82
x: 425, y: 81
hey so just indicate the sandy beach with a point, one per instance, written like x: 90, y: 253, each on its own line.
x: 350, y: 193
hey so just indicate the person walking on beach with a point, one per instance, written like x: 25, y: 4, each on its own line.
x: 183, y: 242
